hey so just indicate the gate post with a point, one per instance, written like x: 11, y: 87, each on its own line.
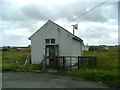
x: 58, y: 63
x: 78, y: 62
x: 64, y: 62
x: 44, y: 62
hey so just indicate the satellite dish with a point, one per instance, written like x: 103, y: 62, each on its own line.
x: 76, y: 26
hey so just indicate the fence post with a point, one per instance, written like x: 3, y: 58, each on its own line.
x: 70, y: 63
x: 95, y: 62
x: 78, y: 62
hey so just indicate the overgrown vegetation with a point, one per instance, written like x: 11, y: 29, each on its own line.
x: 110, y: 77
x: 21, y: 68
x: 107, y: 67
x: 106, y: 71
x: 8, y: 63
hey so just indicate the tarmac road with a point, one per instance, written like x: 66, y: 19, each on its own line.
x: 44, y: 80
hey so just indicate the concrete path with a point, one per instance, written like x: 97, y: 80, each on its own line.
x: 43, y: 80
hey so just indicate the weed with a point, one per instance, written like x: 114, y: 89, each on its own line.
x: 9, y: 65
x: 107, y: 69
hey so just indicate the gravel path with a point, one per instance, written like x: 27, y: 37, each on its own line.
x: 44, y: 80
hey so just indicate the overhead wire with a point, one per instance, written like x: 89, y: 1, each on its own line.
x: 86, y: 12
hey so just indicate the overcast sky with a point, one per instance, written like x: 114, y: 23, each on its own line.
x: 19, y: 19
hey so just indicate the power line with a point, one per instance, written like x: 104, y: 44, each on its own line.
x: 86, y: 12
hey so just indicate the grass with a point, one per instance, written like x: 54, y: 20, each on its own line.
x: 106, y: 59
x: 109, y: 77
x: 22, y: 68
x: 9, y: 65
x: 20, y: 56
x: 107, y: 68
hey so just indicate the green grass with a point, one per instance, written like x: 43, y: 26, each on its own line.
x: 7, y: 57
x: 9, y: 65
x: 110, y: 77
x: 107, y: 68
x: 106, y: 59
x: 22, y: 68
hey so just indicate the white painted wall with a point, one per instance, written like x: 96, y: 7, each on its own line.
x: 67, y: 46
x: 65, y: 43
x: 38, y: 41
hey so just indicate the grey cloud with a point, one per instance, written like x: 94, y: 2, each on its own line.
x: 10, y: 12
x: 97, y: 34
x: 68, y: 11
x: 38, y: 12
x: 28, y: 17
x: 94, y: 33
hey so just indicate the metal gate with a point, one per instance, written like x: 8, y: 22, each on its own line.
x: 73, y: 62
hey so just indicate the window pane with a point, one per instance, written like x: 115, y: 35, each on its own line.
x: 52, y: 40
x: 47, y: 40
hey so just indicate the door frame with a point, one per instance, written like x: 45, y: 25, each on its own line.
x: 49, y: 58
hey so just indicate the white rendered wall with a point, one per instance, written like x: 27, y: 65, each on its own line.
x: 67, y: 46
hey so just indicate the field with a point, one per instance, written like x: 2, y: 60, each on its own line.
x: 8, y: 63
x: 8, y: 56
x: 107, y: 59
x: 107, y: 68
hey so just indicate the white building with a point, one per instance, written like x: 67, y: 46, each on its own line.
x: 85, y: 48
x: 53, y: 40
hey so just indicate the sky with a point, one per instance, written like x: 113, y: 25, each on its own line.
x: 19, y: 19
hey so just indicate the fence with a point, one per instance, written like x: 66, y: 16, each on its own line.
x: 87, y: 62
x: 75, y: 62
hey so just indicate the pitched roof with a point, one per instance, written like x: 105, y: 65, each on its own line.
x: 74, y: 37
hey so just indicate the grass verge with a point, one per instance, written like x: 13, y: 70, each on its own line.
x: 106, y: 71
x: 21, y: 68
x: 109, y: 77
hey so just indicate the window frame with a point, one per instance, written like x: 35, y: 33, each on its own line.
x: 47, y: 41
x: 52, y: 40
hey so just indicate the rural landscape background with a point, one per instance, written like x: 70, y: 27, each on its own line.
x: 106, y: 71
x: 97, y: 25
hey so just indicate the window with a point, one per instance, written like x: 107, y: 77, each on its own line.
x: 47, y: 41
x: 52, y: 41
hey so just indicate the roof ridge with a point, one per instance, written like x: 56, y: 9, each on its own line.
x: 58, y: 26
x: 66, y: 30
